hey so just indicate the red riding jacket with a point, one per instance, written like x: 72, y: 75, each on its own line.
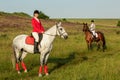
x: 37, y: 26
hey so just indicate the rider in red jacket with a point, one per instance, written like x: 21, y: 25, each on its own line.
x: 38, y: 29
x: 37, y: 26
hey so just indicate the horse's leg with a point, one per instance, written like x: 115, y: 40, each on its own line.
x: 17, y: 54
x: 90, y: 45
x: 41, y: 63
x: 103, y: 46
x: 45, y: 64
x: 98, y: 46
x: 23, y: 55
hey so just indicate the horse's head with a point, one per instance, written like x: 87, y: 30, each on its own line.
x: 61, y: 31
x: 85, y: 27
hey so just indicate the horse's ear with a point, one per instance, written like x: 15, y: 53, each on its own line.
x: 86, y: 23
x: 56, y: 24
x: 59, y: 24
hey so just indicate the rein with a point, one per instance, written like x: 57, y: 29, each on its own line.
x: 49, y: 34
x: 56, y: 32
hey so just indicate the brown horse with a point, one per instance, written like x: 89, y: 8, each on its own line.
x: 100, y: 40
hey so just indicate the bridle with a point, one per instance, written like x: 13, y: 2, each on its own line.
x: 61, y: 34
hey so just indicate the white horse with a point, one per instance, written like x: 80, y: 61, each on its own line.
x: 45, y: 47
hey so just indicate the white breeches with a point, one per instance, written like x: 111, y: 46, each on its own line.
x: 94, y: 33
x: 36, y: 37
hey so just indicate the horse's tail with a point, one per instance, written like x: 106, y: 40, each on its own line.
x: 13, y: 57
x: 103, y: 40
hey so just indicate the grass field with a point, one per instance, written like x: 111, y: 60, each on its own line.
x: 101, y: 22
x: 69, y: 59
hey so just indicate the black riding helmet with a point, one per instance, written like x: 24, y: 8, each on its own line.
x: 36, y: 12
x: 92, y: 20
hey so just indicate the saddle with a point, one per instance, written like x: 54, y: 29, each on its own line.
x: 94, y: 37
x: 30, y: 39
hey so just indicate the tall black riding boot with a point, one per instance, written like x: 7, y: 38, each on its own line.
x: 95, y: 38
x: 36, y: 50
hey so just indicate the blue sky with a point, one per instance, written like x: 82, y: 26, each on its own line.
x: 65, y: 8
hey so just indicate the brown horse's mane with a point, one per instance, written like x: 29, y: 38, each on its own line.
x: 87, y: 28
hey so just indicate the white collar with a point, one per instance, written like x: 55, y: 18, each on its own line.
x: 36, y: 19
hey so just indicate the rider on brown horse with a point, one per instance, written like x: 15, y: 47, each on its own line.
x: 92, y: 29
x: 89, y: 37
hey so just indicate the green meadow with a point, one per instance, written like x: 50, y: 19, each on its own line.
x: 69, y: 59
x: 101, y: 22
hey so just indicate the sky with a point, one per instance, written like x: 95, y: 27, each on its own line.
x: 65, y: 8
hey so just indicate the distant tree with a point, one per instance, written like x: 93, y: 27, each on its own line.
x: 118, y: 24
x: 64, y: 19
x: 43, y: 16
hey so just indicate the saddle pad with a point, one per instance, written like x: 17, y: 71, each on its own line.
x: 29, y: 40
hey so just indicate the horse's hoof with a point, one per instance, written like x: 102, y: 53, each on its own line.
x: 18, y: 72
x: 25, y: 71
x: 40, y: 75
x: 47, y: 74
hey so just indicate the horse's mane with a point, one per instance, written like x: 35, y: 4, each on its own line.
x: 86, y: 25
